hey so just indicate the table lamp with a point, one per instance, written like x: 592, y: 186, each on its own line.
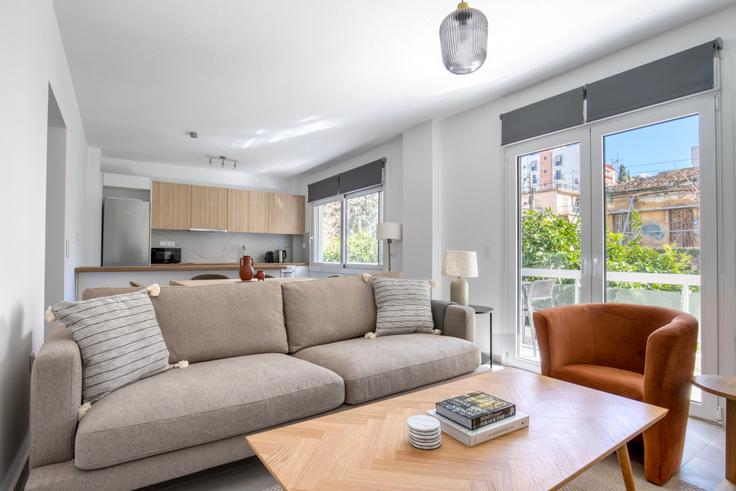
x: 461, y: 265
x: 389, y: 231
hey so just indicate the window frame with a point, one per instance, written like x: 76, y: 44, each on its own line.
x: 344, y: 266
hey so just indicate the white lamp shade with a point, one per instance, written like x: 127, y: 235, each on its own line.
x: 388, y: 230
x: 460, y: 263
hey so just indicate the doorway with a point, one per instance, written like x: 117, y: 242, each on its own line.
x: 55, y: 245
x: 622, y: 210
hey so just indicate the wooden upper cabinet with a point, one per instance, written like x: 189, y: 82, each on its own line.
x: 247, y: 211
x: 171, y: 206
x: 285, y: 213
x: 209, y: 208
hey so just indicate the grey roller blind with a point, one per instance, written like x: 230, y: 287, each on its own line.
x: 362, y: 177
x: 325, y: 188
x: 685, y: 73
x: 547, y: 116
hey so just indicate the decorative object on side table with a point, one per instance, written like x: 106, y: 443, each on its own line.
x: 261, y: 276
x: 389, y: 231
x: 461, y: 265
x: 246, y: 268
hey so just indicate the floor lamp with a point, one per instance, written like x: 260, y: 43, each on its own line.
x: 389, y: 231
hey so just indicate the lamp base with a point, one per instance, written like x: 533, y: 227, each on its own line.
x: 459, y: 291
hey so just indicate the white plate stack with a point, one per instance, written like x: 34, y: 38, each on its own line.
x: 425, y: 432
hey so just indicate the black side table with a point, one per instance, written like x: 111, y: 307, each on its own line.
x: 482, y: 309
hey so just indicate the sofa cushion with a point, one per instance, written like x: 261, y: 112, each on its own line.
x: 119, y: 339
x: 328, y: 310
x: 402, y: 306
x: 373, y: 368
x: 211, y: 322
x: 608, y: 379
x: 202, y: 403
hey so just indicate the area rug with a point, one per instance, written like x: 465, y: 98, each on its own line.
x: 606, y: 476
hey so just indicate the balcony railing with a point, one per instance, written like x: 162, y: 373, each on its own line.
x: 686, y: 282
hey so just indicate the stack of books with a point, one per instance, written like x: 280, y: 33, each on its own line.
x: 478, y: 417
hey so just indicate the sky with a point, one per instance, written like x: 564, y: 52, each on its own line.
x: 655, y: 148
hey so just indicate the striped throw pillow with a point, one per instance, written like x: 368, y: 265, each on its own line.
x: 119, y: 339
x: 403, y: 306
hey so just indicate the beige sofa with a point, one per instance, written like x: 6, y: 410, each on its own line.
x: 260, y: 355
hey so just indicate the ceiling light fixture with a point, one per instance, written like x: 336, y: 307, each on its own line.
x: 223, y: 160
x: 464, y: 39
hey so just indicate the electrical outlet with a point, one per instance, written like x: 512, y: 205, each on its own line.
x: 166, y: 243
x: 489, y: 251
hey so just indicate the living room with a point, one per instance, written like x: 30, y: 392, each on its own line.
x: 551, y: 180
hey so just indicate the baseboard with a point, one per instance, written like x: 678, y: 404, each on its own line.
x: 15, y: 472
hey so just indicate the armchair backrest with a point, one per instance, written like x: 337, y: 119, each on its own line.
x: 612, y: 335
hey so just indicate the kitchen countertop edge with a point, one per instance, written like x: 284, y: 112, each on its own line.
x: 182, y: 267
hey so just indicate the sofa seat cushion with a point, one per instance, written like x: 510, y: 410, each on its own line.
x: 608, y: 379
x: 373, y: 368
x: 202, y: 403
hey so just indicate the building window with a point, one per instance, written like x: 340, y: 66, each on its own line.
x: 558, y: 174
x: 345, y: 230
x: 558, y: 160
x: 533, y: 165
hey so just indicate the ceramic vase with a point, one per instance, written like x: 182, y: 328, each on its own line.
x: 246, y: 268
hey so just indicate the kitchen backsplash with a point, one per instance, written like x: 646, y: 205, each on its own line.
x: 219, y: 247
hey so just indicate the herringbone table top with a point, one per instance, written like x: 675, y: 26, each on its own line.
x: 367, y: 448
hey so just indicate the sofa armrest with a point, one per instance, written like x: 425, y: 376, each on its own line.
x: 460, y: 322
x: 56, y: 393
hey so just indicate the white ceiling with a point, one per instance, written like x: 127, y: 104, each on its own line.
x: 286, y: 86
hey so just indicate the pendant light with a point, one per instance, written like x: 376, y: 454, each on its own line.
x: 464, y: 39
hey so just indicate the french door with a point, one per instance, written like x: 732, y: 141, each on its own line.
x: 622, y: 210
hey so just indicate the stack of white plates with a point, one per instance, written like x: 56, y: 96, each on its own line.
x: 425, y: 432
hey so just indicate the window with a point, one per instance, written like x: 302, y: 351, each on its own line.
x: 558, y: 175
x: 558, y: 160
x: 328, y: 232
x: 345, y: 230
x: 533, y: 165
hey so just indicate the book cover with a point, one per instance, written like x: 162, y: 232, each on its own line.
x: 489, y: 432
x: 475, y: 409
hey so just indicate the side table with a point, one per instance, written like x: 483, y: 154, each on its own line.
x: 724, y: 386
x: 482, y: 309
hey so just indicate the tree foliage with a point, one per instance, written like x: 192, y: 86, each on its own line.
x: 550, y: 241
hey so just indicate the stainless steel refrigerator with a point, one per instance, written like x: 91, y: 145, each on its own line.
x: 126, y: 232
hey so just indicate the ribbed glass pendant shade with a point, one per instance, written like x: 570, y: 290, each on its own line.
x: 464, y: 40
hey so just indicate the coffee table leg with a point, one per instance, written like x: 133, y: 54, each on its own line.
x: 623, y: 460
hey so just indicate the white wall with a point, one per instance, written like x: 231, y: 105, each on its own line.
x: 205, y: 175
x: 422, y: 203
x: 473, y: 205
x: 393, y: 189
x: 31, y: 57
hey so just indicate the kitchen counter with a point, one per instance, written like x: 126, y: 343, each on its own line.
x: 183, y: 267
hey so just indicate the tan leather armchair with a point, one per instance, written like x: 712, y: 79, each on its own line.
x: 635, y: 351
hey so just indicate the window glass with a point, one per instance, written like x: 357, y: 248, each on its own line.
x: 328, y: 218
x: 362, y: 221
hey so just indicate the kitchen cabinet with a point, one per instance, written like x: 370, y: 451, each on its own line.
x: 209, y: 208
x: 191, y: 207
x: 247, y: 211
x: 285, y: 214
x: 171, y: 206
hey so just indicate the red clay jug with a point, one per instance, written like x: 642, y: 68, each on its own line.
x: 246, y: 268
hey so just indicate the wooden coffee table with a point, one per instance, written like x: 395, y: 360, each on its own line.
x: 570, y: 429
